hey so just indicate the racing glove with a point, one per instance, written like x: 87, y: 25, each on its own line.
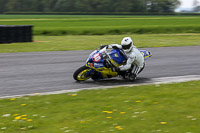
x: 116, y: 69
x: 115, y: 47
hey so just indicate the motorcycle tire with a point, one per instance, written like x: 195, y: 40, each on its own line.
x: 81, y: 73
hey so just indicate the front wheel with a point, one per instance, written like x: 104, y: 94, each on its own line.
x: 81, y: 74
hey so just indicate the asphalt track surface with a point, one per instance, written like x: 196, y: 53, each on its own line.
x: 37, y: 72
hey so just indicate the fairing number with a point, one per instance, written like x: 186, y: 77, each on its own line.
x: 96, y: 57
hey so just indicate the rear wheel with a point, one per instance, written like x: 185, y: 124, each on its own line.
x: 81, y: 74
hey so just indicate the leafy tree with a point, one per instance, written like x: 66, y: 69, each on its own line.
x: 64, y: 5
x: 162, y: 5
x: 2, y: 5
x: 196, y: 6
x: 89, y: 5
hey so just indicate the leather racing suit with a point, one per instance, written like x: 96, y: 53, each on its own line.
x: 135, y: 60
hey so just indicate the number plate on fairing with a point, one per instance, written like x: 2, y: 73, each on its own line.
x: 96, y: 57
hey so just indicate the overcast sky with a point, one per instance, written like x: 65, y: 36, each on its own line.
x: 187, y: 3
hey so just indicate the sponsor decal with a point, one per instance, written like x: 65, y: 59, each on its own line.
x: 142, y: 53
x: 98, y: 65
x: 96, y: 57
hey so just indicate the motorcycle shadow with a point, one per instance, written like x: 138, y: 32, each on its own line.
x: 116, y: 81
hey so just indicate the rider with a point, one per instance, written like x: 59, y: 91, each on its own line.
x: 135, y: 60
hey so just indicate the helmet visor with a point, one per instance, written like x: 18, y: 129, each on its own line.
x: 126, y: 47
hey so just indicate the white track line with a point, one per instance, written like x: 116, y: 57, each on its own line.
x: 162, y: 80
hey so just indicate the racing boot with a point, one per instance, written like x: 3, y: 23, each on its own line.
x: 132, y: 77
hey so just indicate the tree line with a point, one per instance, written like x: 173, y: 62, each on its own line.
x: 157, y: 6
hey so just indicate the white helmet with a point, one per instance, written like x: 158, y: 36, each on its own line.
x: 127, y: 44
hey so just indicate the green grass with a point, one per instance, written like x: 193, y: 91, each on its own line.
x: 102, y: 29
x: 170, y: 108
x: 86, y: 42
x: 101, y: 25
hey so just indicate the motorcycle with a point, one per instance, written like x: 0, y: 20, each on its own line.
x: 101, y: 63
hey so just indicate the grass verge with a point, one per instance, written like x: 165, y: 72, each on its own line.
x: 104, y: 24
x: 170, y: 108
x: 86, y: 42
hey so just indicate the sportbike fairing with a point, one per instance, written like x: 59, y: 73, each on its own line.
x: 147, y: 54
x: 97, y: 62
